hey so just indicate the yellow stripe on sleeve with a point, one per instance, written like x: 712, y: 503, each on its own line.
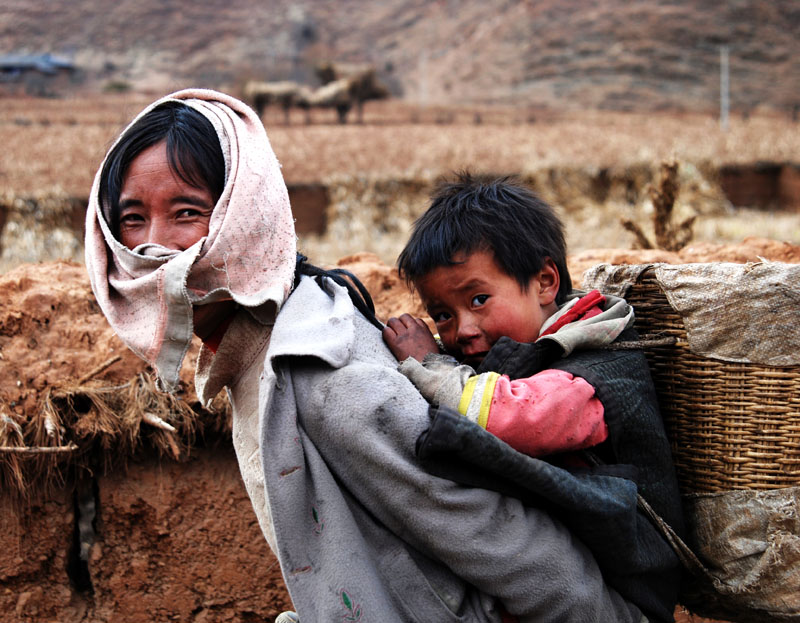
x: 466, y: 395
x: 486, y: 399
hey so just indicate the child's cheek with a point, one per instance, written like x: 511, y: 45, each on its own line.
x: 519, y: 326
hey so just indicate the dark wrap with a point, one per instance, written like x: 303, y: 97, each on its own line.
x: 597, y: 503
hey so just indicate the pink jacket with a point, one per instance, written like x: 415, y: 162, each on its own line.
x: 548, y: 413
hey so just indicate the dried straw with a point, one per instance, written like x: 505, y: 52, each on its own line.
x: 11, y: 436
x: 668, y: 235
x: 88, y: 425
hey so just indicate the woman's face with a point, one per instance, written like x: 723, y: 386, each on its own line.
x: 157, y: 206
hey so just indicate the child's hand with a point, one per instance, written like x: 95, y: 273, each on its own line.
x: 407, y: 336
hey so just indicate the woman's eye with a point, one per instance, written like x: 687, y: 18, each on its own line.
x: 130, y: 219
x: 189, y: 213
x: 480, y: 299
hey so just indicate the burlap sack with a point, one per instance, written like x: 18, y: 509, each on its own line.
x: 750, y: 544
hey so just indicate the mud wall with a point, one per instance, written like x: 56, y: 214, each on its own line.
x: 171, y: 542
x: 162, y: 541
x: 339, y: 216
x: 764, y: 185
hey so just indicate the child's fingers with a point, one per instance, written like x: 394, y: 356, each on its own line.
x: 421, y: 323
x: 394, y: 325
x: 408, y: 320
x: 408, y: 336
x: 403, y: 323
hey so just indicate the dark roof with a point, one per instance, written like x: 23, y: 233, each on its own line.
x: 45, y: 63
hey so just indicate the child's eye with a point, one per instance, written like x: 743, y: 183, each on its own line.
x: 440, y: 317
x: 479, y: 299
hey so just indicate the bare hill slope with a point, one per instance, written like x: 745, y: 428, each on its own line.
x: 555, y: 53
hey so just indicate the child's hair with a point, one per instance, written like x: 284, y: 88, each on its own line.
x: 502, y: 216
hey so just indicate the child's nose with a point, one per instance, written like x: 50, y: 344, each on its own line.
x: 467, y: 330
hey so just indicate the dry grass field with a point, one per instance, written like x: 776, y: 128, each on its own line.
x: 59, y: 142
x: 378, y: 173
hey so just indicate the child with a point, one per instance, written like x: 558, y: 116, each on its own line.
x: 488, y: 260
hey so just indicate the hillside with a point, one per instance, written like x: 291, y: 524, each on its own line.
x: 572, y: 54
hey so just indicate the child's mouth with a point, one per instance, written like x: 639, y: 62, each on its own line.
x: 474, y: 359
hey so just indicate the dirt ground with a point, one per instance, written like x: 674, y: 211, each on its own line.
x: 171, y: 539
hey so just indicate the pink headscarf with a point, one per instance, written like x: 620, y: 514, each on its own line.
x: 248, y: 255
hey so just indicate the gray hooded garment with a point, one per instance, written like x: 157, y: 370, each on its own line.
x: 362, y: 532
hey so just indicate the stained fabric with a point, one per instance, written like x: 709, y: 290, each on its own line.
x: 249, y: 254
x: 354, y: 513
x: 748, y: 540
x: 745, y: 313
x: 755, y: 565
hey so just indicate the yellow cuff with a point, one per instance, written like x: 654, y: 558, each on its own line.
x: 476, y: 398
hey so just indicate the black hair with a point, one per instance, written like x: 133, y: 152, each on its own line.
x: 193, y: 151
x: 501, y: 216
x: 355, y: 289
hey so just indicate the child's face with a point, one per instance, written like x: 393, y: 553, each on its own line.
x: 474, y: 303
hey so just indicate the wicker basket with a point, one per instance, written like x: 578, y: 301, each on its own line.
x: 731, y: 425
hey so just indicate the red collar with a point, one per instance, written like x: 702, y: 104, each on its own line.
x: 213, y: 341
x: 586, y: 307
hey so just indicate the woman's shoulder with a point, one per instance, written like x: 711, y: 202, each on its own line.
x: 325, y: 324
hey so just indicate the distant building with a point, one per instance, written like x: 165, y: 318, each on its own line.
x: 36, y: 74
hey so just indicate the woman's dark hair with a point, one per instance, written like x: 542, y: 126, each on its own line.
x: 193, y: 150
x: 501, y: 216
x: 358, y: 293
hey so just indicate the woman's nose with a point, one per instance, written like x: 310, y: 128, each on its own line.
x: 160, y: 232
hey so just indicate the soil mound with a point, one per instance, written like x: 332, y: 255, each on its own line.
x: 392, y: 297
x: 53, y: 335
x: 55, y: 343
x: 751, y: 249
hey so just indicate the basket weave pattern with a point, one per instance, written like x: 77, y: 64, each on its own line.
x: 731, y: 425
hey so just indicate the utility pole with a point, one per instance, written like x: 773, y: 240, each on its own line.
x: 423, y: 78
x: 724, y: 87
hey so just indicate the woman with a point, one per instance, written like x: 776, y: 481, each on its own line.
x: 324, y: 426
